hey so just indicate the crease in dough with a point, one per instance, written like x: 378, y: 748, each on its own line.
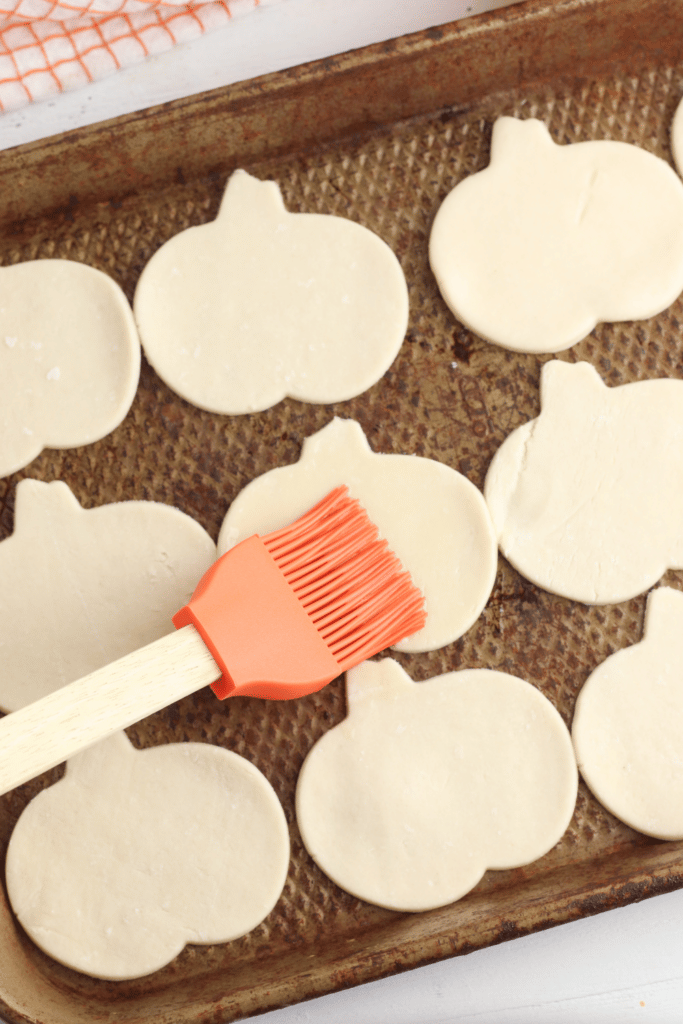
x: 585, y: 500
x: 549, y: 240
x: 432, y: 517
x: 69, y: 364
x: 261, y: 304
x: 425, y: 786
x: 628, y: 724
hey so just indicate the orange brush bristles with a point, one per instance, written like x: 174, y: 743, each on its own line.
x: 350, y: 583
x: 286, y: 613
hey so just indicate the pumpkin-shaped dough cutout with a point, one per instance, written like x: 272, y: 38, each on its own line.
x: 548, y: 241
x: 432, y: 517
x: 425, y: 786
x: 69, y: 363
x: 586, y: 500
x: 135, y: 853
x: 83, y: 587
x: 262, y: 303
x: 628, y: 724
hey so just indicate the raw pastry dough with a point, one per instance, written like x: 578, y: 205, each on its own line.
x: 69, y: 358
x: 426, y: 785
x: 677, y: 137
x: 587, y: 499
x: 262, y: 303
x: 81, y: 588
x: 133, y: 854
x: 433, y: 518
x: 532, y: 252
x: 628, y: 725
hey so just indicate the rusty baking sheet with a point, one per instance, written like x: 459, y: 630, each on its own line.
x: 380, y: 136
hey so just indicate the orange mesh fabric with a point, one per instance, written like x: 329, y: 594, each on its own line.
x: 48, y: 47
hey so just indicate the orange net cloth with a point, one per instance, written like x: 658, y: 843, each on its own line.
x: 48, y: 47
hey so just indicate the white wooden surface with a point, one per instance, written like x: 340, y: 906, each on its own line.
x: 622, y: 966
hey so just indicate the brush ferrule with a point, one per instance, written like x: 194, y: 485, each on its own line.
x: 285, y: 614
x: 256, y: 628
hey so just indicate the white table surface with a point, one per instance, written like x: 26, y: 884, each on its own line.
x: 620, y: 966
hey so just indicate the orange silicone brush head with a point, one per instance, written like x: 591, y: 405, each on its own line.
x: 285, y: 614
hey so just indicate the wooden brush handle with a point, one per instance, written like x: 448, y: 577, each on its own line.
x: 47, y: 732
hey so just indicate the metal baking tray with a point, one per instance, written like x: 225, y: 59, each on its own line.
x: 380, y: 136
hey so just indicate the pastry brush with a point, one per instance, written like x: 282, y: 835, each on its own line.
x: 277, y: 617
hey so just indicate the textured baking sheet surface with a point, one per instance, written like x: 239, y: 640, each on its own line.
x: 448, y: 396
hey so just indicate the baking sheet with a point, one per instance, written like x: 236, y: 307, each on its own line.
x: 379, y: 136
